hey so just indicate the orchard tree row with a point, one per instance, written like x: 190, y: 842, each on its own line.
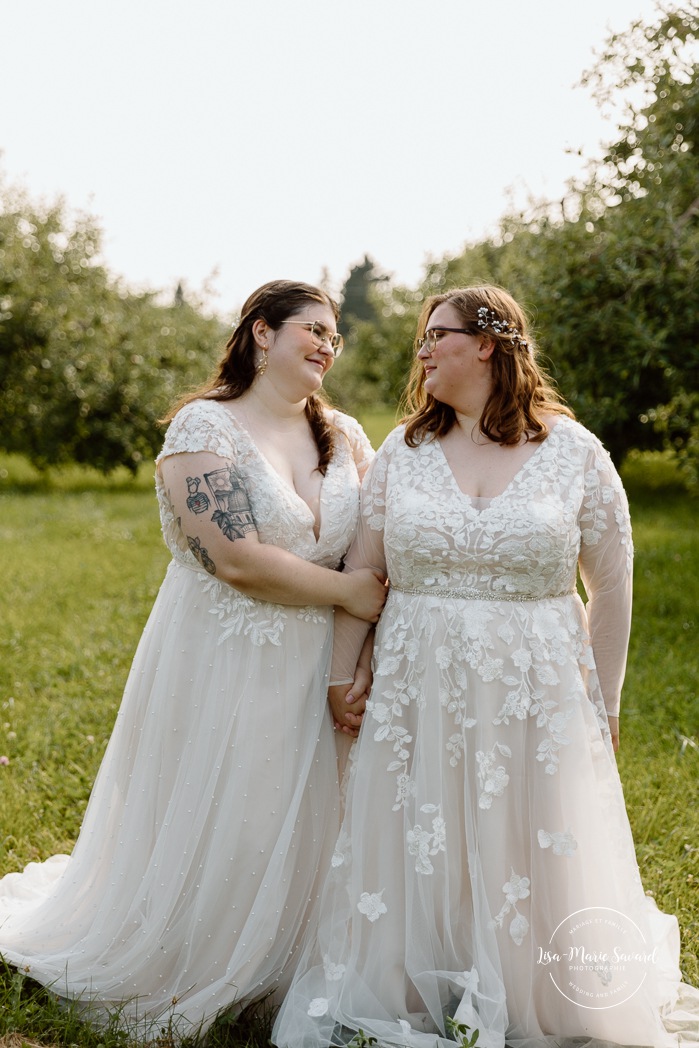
x: 86, y: 366
x: 610, y: 275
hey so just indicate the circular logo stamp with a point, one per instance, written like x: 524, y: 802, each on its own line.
x: 597, y: 957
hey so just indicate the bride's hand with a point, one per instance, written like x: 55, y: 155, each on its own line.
x: 614, y: 729
x: 356, y: 699
x: 361, y: 686
x: 366, y: 593
x: 337, y: 699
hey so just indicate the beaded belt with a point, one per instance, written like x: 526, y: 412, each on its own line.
x: 474, y: 594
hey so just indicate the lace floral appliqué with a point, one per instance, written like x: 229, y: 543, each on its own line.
x: 422, y: 844
x: 239, y: 615
x: 560, y: 843
x: 372, y: 905
x: 516, y: 889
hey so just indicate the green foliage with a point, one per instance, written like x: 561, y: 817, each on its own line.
x: 373, y: 370
x: 358, y: 377
x: 653, y: 67
x: 610, y: 276
x: 614, y: 286
x: 377, y: 425
x: 623, y: 275
x: 462, y: 1034
x: 64, y: 658
x: 358, y: 305
x: 86, y: 367
x: 360, y: 1040
x: 678, y: 424
x: 27, y: 1006
x: 622, y: 339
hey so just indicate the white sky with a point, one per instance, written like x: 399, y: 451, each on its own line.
x: 272, y: 139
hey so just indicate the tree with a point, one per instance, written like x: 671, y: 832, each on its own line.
x: 610, y: 278
x: 652, y: 170
x: 86, y: 367
x: 352, y: 382
x: 358, y: 302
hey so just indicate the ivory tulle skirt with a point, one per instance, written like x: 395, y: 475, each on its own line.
x: 196, y: 868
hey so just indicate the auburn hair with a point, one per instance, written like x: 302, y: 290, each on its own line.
x: 274, y: 302
x: 522, y: 393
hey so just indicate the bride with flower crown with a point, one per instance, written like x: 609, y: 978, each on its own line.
x: 484, y: 886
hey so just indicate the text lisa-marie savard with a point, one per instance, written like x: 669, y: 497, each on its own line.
x: 583, y: 956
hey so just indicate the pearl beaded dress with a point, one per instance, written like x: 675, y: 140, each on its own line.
x: 195, y: 871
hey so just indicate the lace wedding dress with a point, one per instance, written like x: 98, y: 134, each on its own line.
x: 485, y: 872
x: 190, y: 882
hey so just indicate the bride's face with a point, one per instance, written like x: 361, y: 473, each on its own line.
x: 298, y: 359
x: 451, y: 359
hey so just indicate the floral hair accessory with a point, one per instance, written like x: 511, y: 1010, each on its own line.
x: 487, y: 318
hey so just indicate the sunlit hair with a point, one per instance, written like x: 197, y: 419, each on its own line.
x: 273, y: 302
x: 522, y: 394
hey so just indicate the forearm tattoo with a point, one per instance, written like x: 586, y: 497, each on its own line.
x: 201, y: 554
x: 233, y: 514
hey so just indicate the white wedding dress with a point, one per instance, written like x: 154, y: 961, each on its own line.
x: 197, y: 862
x: 485, y: 872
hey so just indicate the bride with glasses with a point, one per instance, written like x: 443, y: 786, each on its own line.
x: 484, y: 889
x: 196, y: 868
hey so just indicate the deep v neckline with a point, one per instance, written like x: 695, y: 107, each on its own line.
x: 317, y: 523
x: 514, y: 479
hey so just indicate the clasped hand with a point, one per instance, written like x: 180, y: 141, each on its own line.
x: 348, y: 702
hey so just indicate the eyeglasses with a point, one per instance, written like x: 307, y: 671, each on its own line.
x: 432, y: 337
x: 321, y: 334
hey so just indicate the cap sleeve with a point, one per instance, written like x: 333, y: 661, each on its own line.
x: 201, y: 425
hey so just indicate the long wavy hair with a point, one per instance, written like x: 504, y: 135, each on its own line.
x: 234, y: 375
x: 522, y: 393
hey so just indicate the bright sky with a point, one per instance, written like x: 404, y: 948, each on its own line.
x: 276, y: 138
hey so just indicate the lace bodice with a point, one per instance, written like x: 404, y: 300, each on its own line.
x: 525, y: 541
x: 281, y: 516
x: 564, y: 509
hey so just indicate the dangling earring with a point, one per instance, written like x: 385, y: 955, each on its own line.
x: 262, y: 365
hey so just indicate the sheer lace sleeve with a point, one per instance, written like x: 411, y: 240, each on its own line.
x: 606, y: 569
x: 362, y: 451
x: 367, y: 551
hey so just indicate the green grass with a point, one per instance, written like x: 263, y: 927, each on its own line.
x: 82, y: 562
x: 81, y: 571
x: 377, y: 425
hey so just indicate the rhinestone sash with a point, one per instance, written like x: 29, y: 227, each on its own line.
x: 475, y: 594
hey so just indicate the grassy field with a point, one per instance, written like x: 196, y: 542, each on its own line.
x: 82, y: 562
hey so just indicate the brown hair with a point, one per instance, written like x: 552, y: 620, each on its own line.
x: 521, y: 393
x: 273, y: 302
